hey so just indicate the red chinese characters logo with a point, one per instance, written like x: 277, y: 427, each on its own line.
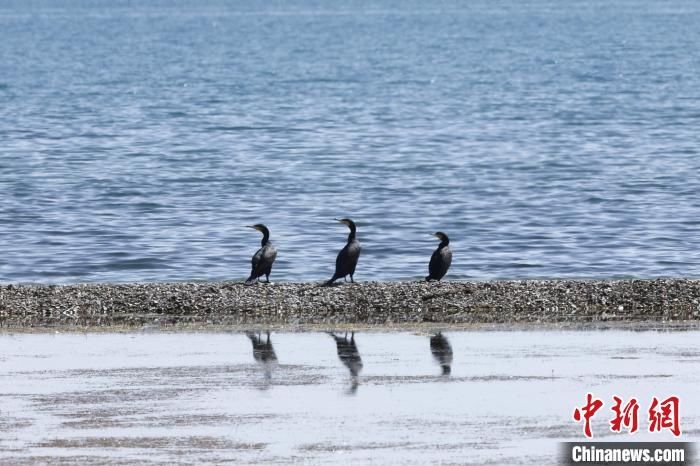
x: 662, y: 415
x: 587, y: 412
x: 625, y: 417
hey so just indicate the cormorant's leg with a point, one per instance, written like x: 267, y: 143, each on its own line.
x: 352, y: 280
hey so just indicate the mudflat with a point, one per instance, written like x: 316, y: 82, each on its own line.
x: 162, y: 398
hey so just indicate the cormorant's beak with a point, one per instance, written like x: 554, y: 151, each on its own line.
x: 341, y: 221
x: 253, y: 227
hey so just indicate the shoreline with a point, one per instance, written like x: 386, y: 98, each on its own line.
x: 307, y: 305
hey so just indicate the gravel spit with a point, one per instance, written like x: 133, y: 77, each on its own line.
x: 387, y: 303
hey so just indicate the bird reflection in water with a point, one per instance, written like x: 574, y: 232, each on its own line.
x: 264, y: 353
x: 350, y: 356
x: 442, y: 352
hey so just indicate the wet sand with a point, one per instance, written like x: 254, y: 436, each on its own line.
x: 385, y: 303
x: 161, y: 398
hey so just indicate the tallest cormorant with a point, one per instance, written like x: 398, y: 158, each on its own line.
x: 347, y: 258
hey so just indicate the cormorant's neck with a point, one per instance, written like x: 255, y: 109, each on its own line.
x: 444, y: 242
x: 266, y: 238
x: 352, y: 235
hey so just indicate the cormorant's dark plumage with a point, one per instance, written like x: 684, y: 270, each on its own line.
x: 263, y: 258
x: 441, y: 258
x: 347, y: 258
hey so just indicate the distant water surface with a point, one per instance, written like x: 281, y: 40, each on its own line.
x: 547, y: 138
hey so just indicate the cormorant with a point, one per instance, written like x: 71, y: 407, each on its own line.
x: 442, y: 352
x: 441, y: 259
x: 347, y: 258
x: 263, y: 258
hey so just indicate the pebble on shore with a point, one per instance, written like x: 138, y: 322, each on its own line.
x: 370, y: 303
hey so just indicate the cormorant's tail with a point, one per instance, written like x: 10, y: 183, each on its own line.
x: 250, y: 280
x: 330, y: 282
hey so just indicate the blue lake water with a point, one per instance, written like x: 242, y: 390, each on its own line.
x: 548, y: 139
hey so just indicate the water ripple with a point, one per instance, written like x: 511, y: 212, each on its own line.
x: 139, y: 140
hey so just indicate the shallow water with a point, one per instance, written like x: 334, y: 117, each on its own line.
x: 552, y: 139
x: 163, y: 398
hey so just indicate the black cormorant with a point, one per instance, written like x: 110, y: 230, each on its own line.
x: 263, y: 258
x: 442, y: 352
x: 347, y: 258
x: 441, y: 259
